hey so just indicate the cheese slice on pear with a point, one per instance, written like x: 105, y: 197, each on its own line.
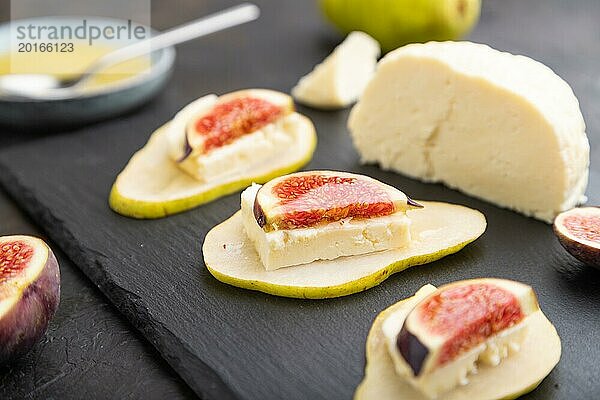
x: 437, y: 230
x: 494, y: 125
x: 341, y: 78
x: 517, y: 375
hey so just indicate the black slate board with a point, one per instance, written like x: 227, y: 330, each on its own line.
x: 232, y: 343
x: 86, y: 346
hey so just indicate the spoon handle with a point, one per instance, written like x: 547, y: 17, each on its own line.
x: 221, y: 20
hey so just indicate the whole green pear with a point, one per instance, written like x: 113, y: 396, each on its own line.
x: 397, y: 22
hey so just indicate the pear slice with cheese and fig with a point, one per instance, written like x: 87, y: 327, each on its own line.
x: 518, y: 374
x: 213, y: 147
x: 436, y: 230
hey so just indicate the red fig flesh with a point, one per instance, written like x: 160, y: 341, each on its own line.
x: 578, y: 230
x: 305, y: 199
x: 29, y: 293
x: 235, y: 115
x: 459, y: 317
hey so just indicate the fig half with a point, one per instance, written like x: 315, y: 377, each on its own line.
x: 518, y: 374
x: 578, y: 230
x: 437, y: 230
x: 29, y: 293
x: 306, y: 198
x: 234, y: 115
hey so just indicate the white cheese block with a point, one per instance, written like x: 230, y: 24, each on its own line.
x: 497, y: 126
x: 284, y: 248
x: 232, y: 158
x: 341, y: 78
x: 435, y: 382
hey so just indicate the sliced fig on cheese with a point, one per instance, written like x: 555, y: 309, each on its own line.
x: 305, y: 199
x: 232, y: 116
x: 213, y: 147
x: 436, y: 230
x: 29, y: 293
x: 578, y: 230
x: 476, y: 321
x: 516, y: 375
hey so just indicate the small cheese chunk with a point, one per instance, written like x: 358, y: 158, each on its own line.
x: 283, y: 248
x: 235, y: 157
x: 341, y: 78
x: 497, y: 126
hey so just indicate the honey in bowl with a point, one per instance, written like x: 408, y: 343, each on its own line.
x: 70, y: 59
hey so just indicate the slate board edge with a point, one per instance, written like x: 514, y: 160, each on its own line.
x: 127, y: 303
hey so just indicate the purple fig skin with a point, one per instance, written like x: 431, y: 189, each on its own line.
x: 187, y: 150
x: 413, y: 203
x: 24, y: 325
x: 412, y: 350
x: 588, y: 255
x: 584, y: 253
x: 259, y: 214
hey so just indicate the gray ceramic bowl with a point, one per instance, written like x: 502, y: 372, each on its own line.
x: 93, y: 105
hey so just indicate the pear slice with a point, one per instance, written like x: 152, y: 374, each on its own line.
x: 153, y: 185
x: 341, y: 78
x: 437, y: 230
x: 519, y: 374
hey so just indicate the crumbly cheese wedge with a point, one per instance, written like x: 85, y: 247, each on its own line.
x: 434, y: 379
x: 497, y: 126
x: 341, y: 78
x: 288, y: 247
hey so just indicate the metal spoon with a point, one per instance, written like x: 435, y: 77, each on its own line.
x: 36, y: 86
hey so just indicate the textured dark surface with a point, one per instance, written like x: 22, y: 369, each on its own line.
x: 89, y: 349
x: 228, y: 342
